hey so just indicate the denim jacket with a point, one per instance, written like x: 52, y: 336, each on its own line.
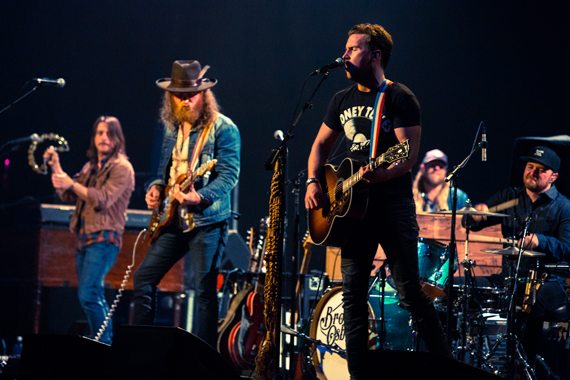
x: 223, y: 144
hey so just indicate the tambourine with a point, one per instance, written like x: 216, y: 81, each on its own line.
x: 62, y: 146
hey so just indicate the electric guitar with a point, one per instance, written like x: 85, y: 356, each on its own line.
x: 163, y: 214
x: 331, y: 224
x: 242, y: 332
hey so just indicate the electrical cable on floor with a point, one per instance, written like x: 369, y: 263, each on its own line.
x: 121, y: 289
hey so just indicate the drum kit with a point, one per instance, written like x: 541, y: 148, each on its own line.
x: 483, y: 317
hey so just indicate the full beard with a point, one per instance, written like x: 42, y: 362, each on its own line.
x: 186, y: 115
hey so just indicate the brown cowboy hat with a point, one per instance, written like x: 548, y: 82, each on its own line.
x: 186, y: 77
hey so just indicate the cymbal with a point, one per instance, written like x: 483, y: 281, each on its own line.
x: 470, y: 211
x: 513, y: 251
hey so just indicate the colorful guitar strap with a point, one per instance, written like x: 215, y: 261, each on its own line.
x: 198, y: 148
x: 377, y: 118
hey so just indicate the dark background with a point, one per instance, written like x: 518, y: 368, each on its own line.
x: 501, y: 62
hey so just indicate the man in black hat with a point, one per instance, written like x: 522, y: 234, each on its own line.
x: 197, y: 137
x: 546, y: 212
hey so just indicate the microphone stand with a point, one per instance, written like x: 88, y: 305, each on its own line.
x: 280, y: 155
x: 20, y: 98
x: 452, y: 176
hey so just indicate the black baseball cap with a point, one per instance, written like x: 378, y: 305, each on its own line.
x: 545, y: 156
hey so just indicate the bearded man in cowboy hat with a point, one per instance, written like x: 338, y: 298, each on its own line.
x: 195, y: 133
x: 546, y: 214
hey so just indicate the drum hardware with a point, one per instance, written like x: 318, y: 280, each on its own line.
x: 469, y: 210
x: 513, y: 251
x: 333, y: 348
x: 515, y: 352
x: 381, y: 272
x: 534, y: 282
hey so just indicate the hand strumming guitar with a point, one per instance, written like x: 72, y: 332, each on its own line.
x: 314, y: 196
x: 190, y: 198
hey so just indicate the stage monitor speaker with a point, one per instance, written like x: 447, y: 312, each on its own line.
x: 61, y: 357
x: 386, y: 364
x: 164, y: 353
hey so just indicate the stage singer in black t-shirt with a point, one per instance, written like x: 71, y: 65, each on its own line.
x: 390, y: 216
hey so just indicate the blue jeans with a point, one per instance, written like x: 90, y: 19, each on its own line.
x: 393, y: 225
x: 206, y: 246
x: 92, y: 263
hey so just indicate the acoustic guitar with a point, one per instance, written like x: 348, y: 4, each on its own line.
x: 331, y: 224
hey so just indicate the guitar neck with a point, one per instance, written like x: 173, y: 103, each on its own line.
x: 356, y: 177
x: 185, y: 185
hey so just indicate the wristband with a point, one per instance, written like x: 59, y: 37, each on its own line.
x: 311, y: 180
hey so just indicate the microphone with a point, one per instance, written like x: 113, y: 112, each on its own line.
x: 33, y: 137
x: 484, y: 144
x: 51, y: 82
x: 278, y: 134
x: 325, y: 69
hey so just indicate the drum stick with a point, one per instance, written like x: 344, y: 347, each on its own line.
x: 488, y: 239
x: 504, y: 206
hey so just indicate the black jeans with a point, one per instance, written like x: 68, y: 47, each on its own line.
x: 206, y: 246
x: 395, y: 228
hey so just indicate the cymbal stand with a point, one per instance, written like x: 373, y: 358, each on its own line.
x: 513, y: 346
x: 468, y: 293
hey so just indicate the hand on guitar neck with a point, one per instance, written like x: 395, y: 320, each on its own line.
x: 189, y: 198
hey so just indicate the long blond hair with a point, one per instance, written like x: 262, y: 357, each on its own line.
x: 441, y: 201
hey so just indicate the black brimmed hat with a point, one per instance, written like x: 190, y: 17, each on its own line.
x: 187, y: 76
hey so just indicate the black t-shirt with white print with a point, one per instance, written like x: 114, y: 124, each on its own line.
x: 351, y: 111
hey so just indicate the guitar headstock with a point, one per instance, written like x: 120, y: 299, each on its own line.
x: 396, y: 153
x: 205, y: 167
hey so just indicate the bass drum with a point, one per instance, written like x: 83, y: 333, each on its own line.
x: 327, y: 326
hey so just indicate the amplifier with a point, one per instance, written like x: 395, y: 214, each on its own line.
x: 61, y: 214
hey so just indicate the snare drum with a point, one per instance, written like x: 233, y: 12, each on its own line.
x: 433, y: 263
x: 487, y: 300
x: 328, y: 327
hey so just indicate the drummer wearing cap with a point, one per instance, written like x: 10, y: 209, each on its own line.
x: 548, y: 215
x: 431, y: 191
x: 195, y: 134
